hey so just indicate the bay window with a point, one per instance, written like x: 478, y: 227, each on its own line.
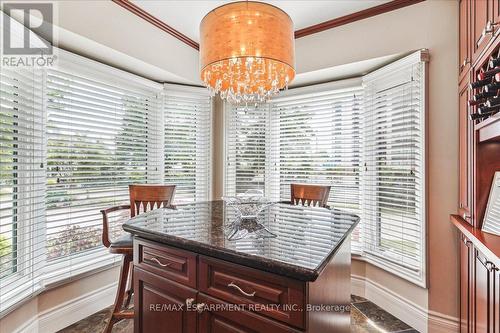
x: 363, y: 137
x: 72, y: 139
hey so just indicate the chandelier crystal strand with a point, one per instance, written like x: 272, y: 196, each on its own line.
x: 247, y: 52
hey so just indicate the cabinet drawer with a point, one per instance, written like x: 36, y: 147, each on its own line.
x: 224, y: 321
x: 171, y: 263
x: 242, y: 285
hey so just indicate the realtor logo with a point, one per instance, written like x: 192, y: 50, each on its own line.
x: 37, y: 19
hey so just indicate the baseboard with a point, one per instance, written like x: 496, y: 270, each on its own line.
x: 83, y: 306
x: 77, y: 309
x: 28, y: 327
x: 358, y: 285
x: 439, y: 322
x: 71, y: 311
x: 409, y: 312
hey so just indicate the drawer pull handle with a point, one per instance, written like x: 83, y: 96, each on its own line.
x: 159, y: 262
x: 241, y: 290
x: 200, y: 307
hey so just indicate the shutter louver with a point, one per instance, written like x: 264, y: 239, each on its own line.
x: 187, y: 145
x: 394, y: 180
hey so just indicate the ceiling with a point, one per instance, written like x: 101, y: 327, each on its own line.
x: 185, y: 16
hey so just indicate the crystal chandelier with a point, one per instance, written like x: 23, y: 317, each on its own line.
x: 247, y: 51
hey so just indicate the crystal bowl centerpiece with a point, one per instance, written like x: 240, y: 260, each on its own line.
x: 248, y: 205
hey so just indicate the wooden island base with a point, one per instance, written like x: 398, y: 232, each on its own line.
x: 182, y: 291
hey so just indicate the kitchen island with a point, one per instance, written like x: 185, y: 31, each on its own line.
x: 197, y: 270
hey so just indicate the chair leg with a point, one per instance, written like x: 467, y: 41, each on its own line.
x: 130, y: 290
x: 120, y: 293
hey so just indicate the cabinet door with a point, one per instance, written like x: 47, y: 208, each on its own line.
x: 482, y: 295
x: 482, y: 12
x: 466, y: 265
x: 496, y: 12
x: 465, y: 147
x: 495, y: 295
x: 464, y: 31
x: 161, y: 305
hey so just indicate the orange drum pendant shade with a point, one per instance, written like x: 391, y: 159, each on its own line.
x: 247, y: 51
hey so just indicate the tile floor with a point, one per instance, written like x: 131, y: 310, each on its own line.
x: 366, y: 317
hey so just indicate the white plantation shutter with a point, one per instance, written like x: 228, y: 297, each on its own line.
x: 22, y: 184
x: 304, y: 137
x: 98, y: 139
x: 246, y: 137
x: 394, y: 160
x: 316, y: 139
x: 187, y: 142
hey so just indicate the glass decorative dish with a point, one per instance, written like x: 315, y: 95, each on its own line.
x: 247, y: 207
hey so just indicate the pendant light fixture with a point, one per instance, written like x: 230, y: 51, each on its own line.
x: 247, y: 51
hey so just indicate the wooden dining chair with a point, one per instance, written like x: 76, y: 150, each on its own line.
x: 307, y: 195
x: 142, y: 199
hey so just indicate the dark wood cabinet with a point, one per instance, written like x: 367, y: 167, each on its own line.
x: 482, y: 295
x: 479, y: 153
x: 479, y: 279
x: 240, y: 285
x: 173, y: 264
x: 496, y: 13
x: 464, y: 52
x: 486, y: 282
x: 495, y: 291
x: 466, y: 255
x: 465, y: 151
x: 182, y: 291
x: 161, y: 305
x: 225, y: 321
x: 482, y: 25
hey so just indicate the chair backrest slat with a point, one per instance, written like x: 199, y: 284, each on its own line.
x: 307, y: 195
x: 150, y: 197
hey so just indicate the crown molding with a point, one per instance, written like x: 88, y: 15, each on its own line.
x: 373, y: 11
x: 156, y: 22
x: 363, y: 14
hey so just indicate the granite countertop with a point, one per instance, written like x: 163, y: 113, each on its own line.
x: 302, y: 240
